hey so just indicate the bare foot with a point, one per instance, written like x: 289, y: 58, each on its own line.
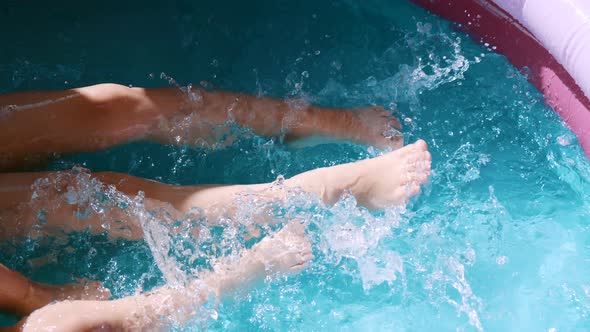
x: 373, y: 126
x: 392, y: 178
x: 376, y: 183
x: 287, y: 251
x: 378, y: 127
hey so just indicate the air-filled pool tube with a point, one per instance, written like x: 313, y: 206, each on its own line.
x: 549, y: 37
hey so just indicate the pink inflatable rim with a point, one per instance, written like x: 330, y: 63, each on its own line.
x: 486, y: 22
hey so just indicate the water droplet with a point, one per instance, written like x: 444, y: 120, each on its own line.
x: 501, y: 260
x: 42, y: 217
x: 214, y: 315
x: 564, y: 140
x: 106, y: 225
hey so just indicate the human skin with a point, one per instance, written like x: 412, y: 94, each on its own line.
x: 376, y: 183
x: 22, y: 296
x: 286, y: 252
x: 36, y: 125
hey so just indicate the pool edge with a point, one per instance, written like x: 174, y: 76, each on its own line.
x: 486, y: 22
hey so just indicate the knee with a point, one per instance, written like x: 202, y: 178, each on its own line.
x: 111, y: 96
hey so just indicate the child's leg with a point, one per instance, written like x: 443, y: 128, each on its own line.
x: 35, y: 125
x: 288, y: 251
x: 376, y: 183
x: 22, y: 296
x: 44, y: 198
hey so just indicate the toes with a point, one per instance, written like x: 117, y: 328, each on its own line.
x: 427, y: 158
x: 421, y: 145
x: 412, y: 158
x: 420, y: 178
x: 424, y: 163
x: 417, y: 165
x: 409, y: 190
x: 418, y: 161
x: 414, y: 150
x: 298, y: 267
x: 413, y: 190
x: 393, y: 122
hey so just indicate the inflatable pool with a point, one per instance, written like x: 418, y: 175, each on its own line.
x: 550, y: 38
x: 497, y: 240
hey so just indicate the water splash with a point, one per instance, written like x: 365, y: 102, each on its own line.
x: 411, y: 80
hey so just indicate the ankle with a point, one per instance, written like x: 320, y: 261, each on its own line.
x: 332, y: 122
x: 341, y: 179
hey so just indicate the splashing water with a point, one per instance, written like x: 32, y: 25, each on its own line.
x: 497, y: 239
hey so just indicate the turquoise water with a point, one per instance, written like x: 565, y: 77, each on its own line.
x: 497, y: 241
